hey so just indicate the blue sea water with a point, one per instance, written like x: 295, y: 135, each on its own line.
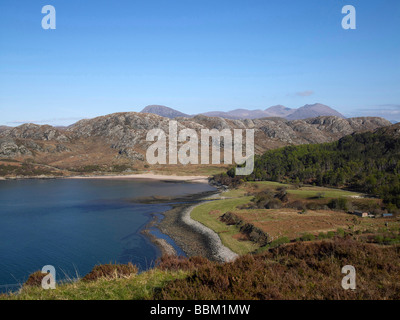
x: 75, y: 224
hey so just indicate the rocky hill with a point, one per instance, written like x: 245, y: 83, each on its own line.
x: 120, y: 138
x: 4, y: 128
x: 393, y: 130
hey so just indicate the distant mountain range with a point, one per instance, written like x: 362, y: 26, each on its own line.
x: 305, y: 112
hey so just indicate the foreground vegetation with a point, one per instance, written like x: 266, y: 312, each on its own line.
x: 111, y: 286
x: 295, y: 271
x: 303, y: 270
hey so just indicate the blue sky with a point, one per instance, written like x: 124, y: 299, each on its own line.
x: 196, y: 56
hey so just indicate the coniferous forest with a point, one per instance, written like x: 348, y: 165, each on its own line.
x: 367, y: 162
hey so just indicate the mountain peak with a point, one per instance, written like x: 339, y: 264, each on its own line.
x: 315, y: 105
x: 278, y: 107
x: 313, y: 110
x: 279, y: 111
x: 164, y: 111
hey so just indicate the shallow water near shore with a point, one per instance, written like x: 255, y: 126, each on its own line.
x: 76, y: 224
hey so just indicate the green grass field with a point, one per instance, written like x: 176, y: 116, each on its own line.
x: 135, y: 287
x: 234, y: 193
x: 268, y: 184
x: 204, y: 214
x: 311, y: 192
x: 306, y: 191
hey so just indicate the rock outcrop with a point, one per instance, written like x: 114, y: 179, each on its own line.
x: 36, y: 132
x: 10, y: 149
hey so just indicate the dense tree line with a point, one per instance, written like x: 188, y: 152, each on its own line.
x: 366, y: 162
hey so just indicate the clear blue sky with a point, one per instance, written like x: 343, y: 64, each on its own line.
x: 196, y: 56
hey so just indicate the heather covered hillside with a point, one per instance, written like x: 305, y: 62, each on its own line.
x: 304, y: 271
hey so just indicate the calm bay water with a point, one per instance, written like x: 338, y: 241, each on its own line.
x: 76, y: 224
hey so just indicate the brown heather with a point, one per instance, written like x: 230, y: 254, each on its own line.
x: 303, y: 270
x: 35, y: 279
x: 111, y: 271
x: 175, y: 263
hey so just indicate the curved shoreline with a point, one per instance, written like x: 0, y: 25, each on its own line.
x: 220, y: 252
x: 161, y: 244
x: 194, y: 238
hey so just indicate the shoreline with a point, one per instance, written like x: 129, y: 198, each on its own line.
x: 219, y: 251
x: 192, y: 237
x: 141, y: 176
x: 161, y: 244
x: 148, y: 176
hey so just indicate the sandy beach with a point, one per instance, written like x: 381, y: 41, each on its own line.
x: 149, y: 176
